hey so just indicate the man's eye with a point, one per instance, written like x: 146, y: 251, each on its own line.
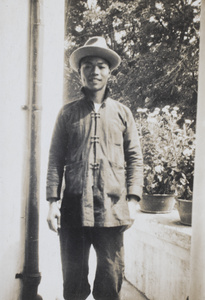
x: 86, y: 66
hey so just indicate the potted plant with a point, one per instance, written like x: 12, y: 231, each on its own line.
x: 164, y: 146
x: 184, y: 175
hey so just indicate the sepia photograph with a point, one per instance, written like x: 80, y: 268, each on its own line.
x: 102, y: 149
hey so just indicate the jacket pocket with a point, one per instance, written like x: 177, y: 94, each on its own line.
x: 74, y: 178
x: 112, y: 179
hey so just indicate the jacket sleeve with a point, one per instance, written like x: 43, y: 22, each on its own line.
x: 133, y: 157
x: 56, y: 160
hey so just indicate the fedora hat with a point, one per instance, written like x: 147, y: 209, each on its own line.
x: 95, y: 46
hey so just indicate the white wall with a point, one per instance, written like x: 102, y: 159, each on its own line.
x: 14, y: 35
x: 197, y: 286
x: 52, y: 100
x: 13, y: 94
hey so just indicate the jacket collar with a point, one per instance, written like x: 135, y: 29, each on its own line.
x: 84, y: 91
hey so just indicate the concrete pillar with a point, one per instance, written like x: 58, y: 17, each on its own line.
x: 197, y: 283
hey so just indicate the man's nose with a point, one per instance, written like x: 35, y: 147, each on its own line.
x: 95, y: 70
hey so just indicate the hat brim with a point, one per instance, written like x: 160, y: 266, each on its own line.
x: 109, y: 55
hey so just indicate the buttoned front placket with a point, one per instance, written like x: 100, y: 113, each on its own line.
x: 95, y: 140
x: 93, y: 197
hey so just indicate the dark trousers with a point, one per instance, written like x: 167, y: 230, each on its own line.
x: 75, y: 248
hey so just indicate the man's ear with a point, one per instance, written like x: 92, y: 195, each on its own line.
x: 79, y: 74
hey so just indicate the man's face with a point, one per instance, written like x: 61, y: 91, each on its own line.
x: 94, y: 73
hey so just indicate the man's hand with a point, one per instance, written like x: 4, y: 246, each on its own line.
x: 54, y: 216
x: 132, y: 204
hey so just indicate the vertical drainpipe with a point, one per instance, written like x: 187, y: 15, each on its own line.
x: 31, y: 276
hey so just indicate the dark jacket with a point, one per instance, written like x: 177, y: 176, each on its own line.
x: 100, y: 155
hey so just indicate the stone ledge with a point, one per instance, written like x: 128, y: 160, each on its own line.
x: 157, y: 254
x: 166, y: 227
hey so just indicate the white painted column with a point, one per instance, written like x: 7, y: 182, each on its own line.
x: 197, y: 282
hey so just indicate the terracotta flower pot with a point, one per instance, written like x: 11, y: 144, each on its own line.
x: 185, y: 211
x: 157, y: 203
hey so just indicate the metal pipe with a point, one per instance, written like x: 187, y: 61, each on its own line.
x: 31, y: 276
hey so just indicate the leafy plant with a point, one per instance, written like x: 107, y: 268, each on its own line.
x: 168, y: 144
x: 158, y: 41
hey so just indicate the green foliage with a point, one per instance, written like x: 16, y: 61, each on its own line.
x: 158, y: 42
x: 168, y: 150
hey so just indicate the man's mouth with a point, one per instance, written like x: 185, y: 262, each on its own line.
x: 94, y: 79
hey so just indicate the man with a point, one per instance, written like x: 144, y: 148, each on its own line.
x: 95, y: 145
